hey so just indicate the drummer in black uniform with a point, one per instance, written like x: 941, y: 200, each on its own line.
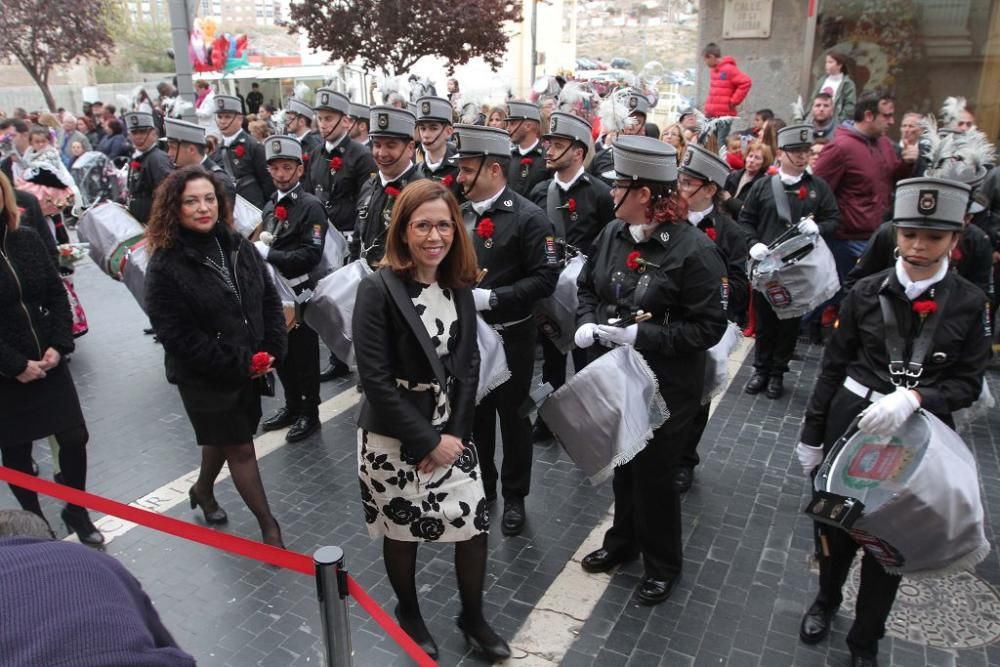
x: 435, y: 130
x: 644, y: 261
x: 527, y: 155
x: 856, y: 378
x: 516, y: 247
x: 240, y: 154
x: 296, y: 222
x: 702, y: 177
x: 812, y: 209
x: 186, y: 146
x: 638, y: 108
x: 579, y: 206
x: 360, y: 113
x: 392, y: 148
x: 148, y: 166
x: 299, y: 124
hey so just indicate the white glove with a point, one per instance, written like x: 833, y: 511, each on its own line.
x: 759, y: 251
x: 886, y: 415
x: 267, y: 238
x: 808, y: 226
x: 262, y: 248
x: 809, y: 456
x: 584, y: 336
x: 618, y: 335
x: 482, y: 298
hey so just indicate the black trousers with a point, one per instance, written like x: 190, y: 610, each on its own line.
x: 554, y: 362
x: 299, y: 372
x: 689, y: 440
x: 506, y: 401
x: 775, y: 338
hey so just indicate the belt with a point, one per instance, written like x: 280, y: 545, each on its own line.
x: 861, y: 391
x: 298, y: 280
x: 508, y: 325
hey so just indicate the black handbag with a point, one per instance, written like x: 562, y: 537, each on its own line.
x: 265, y: 384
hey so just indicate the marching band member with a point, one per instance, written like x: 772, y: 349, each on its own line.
x: 527, y: 155
x: 186, y: 146
x: 299, y: 122
x: 638, y: 108
x: 811, y: 209
x: 241, y: 155
x: 360, y: 113
x: 435, y: 130
x: 674, y: 272
x: 894, y: 311
x: 148, y: 167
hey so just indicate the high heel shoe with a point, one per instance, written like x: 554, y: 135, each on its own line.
x: 78, y: 521
x: 272, y: 537
x: 209, y: 508
x: 485, y: 641
x: 421, y: 636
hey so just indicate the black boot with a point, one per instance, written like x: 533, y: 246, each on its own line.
x: 280, y: 419
x: 757, y: 383
x: 816, y: 622
x: 775, y: 386
x: 303, y: 427
x: 78, y: 521
x: 336, y: 369
x: 540, y: 431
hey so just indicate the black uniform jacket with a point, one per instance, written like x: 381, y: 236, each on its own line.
x: 338, y: 189
x: 973, y: 258
x: 522, y: 261
x: 686, y: 294
x: 32, y: 216
x: 374, y: 214
x: 154, y: 166
x: 954, y: 365
x: 253, y: 182
x: 446, y: 172
x: 522, y: 178
x: 228, y: 184
x: 310, y: 141
x: 810, y: 196
x: 298, y: 239
x: 208, y: 334
x: 390, y: 343
x: 594, y: 208
x: 603, y: 162
x: 732, y: 241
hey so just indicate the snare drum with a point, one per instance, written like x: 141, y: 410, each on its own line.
x: 111, y: 232
x: 797, y: 276
x: 331, y: 308
x: 556, y: 314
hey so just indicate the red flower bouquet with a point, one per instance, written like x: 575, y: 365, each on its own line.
x: 281, y: 213
x: 260, y: 362
x: 239, y: 151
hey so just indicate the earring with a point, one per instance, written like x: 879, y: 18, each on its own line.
x: 895, y: 252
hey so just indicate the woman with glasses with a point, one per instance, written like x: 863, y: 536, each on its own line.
x: 415, y: 342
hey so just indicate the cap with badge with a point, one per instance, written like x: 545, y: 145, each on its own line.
x: 139, y: 120
x: 181, y: 131
x: 282, y: 147
x: 795, y: 137
x: 524, y: 111
x: 704, y: 165
x: 228, y: 104
x: 639, y: 158
x: 328, y: 99
x: 299, y: 108
x: 360, y: 111
x: 436, y: 109
x: 389, y: 121
x: 480, y: 141
x: 637, y: 103
x: 931, y: 203
x: 568, y: 126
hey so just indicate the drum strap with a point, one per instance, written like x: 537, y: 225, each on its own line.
x: 903, y: 371
x: 552, y: 208
x: 781, y: 200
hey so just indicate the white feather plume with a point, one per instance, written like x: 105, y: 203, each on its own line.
x: 613, y: 112
x: 710, y: 126
x: 951, y: 109
x: 962, y: 157
x: 929, y: 134
x: 301, y: 90
x: 798, y: 110
x: 575, y: 93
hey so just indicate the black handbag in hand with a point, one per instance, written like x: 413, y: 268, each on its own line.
x: 265, y: 384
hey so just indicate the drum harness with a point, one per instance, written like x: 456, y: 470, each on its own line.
x: 906, y: 371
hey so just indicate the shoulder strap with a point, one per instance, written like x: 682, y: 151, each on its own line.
x: 906, y: 372
x: 227, y: 160
x: 781, y: 200
x: 552, y: 208
x: 396, y: 293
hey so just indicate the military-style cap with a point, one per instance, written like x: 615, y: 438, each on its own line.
x: 328, y: 99
x: 359, y: 110
x: 138, y: 120
x: 795, y: 136
x: 282, y: 147
x: 389, y: 121
x: 643, y: 158
x: 568, y: 126
x: 524, y: 111
x: 228, y: 104
x: 704, y: 165
x: 183, y: 131
x: 480, y: 141
x: 637, y: 103
x: 931, y: 203
x: 412, y: 108
x: 298, y: 107
x: 434, y: 109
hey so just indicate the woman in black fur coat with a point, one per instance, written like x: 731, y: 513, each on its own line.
x: 215, y: 309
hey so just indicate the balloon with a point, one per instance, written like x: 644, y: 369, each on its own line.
x: 220, y: 48
x: 652, y: 72
x: 208, y: 28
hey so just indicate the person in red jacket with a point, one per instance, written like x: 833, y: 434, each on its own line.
x: 729, y: 87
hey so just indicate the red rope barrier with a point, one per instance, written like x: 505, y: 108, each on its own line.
x: 289, y: 560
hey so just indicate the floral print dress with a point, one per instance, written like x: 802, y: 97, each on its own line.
x: 400, y: 502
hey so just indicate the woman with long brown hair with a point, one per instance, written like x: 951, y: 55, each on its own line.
x: 757, y: 159
x: 37, y: 394
x: 215, y: 309
x: 418, y: 360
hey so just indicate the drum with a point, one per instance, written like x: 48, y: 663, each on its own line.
x: 332, y: 307
x: 923, y: 514
x: 717, y: 362
x: 111, y: 232
x: 133, y: 272
x: 556, y: 314
x: 286, y: 294
x: 606, y: 413
x: 246, y: 217
x: 493, y: 370
x: 798, y: 275
x: 334, y: 253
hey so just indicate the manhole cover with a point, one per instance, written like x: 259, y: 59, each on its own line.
x: 957, y: 611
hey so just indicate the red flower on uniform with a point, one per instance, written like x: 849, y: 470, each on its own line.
x: 305, y: 158
x: 711, y: 233
x: 803, y: 193
x: 447, y: 181
x: 924, y: 307
x: 239, y: 151
x: 956, y: 255
x: 281, y: 213
x: 571, y: 205
x: 392, y: 192
x: 634, y: 260
x: 336, y: 163
x: 526, y: 162
x: 485, y: 229
x: 135, y: 165
x: 260, y: 362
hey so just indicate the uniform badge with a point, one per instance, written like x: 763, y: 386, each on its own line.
x: 221, y: 103
x: 927, y: 202
x: 665, y: 236
x: 276, y: 146
x: 553, y: 124
x: 724, y: 293
x: 550, y: 250
x: 382, y: 120
x: 317, y: 235
x: 425, y: 108
x: 324, y: 99
x: 987, y: 321
x: 804, y: 136
x: 633, y: 102
x: 939, y: 357
x: 508, y: 203
x: 133, y: 120
x: 688, y: 156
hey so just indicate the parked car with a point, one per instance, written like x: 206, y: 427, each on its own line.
x: 621, y: 63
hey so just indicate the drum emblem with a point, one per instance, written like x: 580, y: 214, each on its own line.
x: 884, y: 553
x: 778, y: 295
x: 927, y: 202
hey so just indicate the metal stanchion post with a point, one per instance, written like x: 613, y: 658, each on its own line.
x: 331, y: 587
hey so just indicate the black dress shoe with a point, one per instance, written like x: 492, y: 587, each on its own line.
x: 654, y: 591
x: 816, y: 622
x: 513, y: 517
x: 756, y: 384
x: 336, y: 369
x: 148, y: 331
x: 303, y: 427
x: 419, y: 634
x: 78, y: 521
x: 683, y: 476
x: 280, y: 419
x: 540, y: 431
x: 484, y: 640
x: 775, y: 386
x: 603, y: 560
x: 210, y: 509
x: 863, y: 661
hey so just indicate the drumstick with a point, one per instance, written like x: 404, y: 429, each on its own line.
x: 639, y: 316
x: 481, y: 276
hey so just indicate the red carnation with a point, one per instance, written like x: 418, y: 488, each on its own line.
x: 803, y: 193
x: 526, y: 161
x: 336, y: 163
x: 485, y: 229
x: 392, y: 192
x: 447, y: 181
x: 924, y: 307
x: 571, y: 205
x: 260, y: 362
x: 956, y: 255
x: 305, y: 158
x: 711, y: 233
x: 634, y: 260
x: 240, y: 151
x: 772, y: 170
x: 135, y: 165
x: 281, y: 213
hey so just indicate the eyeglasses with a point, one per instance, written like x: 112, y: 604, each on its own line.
x: 424, y: 227
x: 688, y: 185
x: 620, y: 186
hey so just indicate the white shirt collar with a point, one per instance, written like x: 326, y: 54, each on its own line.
x: 330, y: 145
x: 387, y: 181
x: 566, y: 186
x: 788, y: 180
x: 282, y: 195
x: 695, y: 217
x: 525, y: 151
x: 912, y: 288
x: 227, y: 141
x: 433, y: 166
x: 481, y: 207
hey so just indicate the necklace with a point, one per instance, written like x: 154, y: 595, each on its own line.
x: 223, y: 270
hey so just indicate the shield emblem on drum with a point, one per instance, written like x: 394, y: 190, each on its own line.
x: 927, y: 202
x: 778, y: 295
x: 425, y: 108
x: 382, y: 121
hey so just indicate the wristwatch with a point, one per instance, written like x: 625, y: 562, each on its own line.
x: 493, y: 300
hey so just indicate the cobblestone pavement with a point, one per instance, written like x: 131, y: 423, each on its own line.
x: 746, y: 581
